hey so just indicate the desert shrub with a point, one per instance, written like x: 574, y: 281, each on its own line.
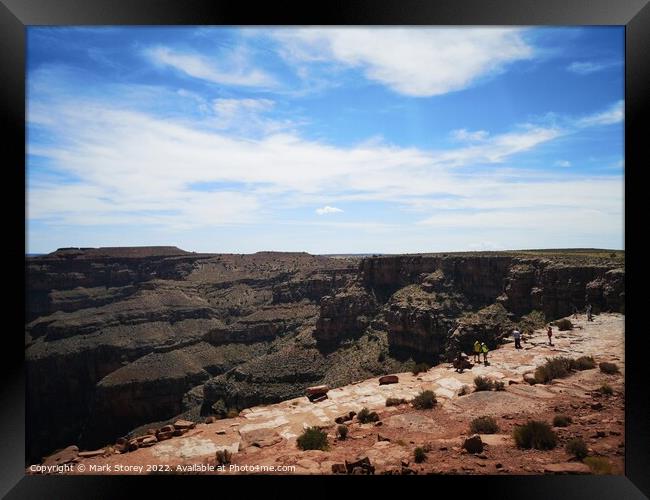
x: 532, y: 321
x: 564, y: 324
x: 232, y: 413
x: 366, y: 416
x: 483, y: 384
x: 562, y: 421
x: 425, y: 400
x: 395, y: 401
x: 312, y: 439
x: 577, y: 448
x: 535, y: 434
x: 342, y: 431
x: 484, y: 425
x: 223, y: 457
x: 464, y: 390
x: 419, y: 455
x: 420, y: 367
x: 598, y: 465
x: 381, y: 357
x: 606, y: 389
x: 499, y: 386
x: 553, y: 368
x: 608, y: 368
x: 583, y: 363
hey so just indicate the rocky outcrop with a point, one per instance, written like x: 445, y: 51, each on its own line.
x: 345, y: 314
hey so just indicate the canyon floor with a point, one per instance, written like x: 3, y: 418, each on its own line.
x: 265, y: 436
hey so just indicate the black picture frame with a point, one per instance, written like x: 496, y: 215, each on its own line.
x: 16, y: 15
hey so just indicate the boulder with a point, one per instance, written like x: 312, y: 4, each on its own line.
x: 162, y: 436
x: 260, y: 438
x: 473, y: 444
x: 388, y: 379
x: 317, y: 390
x: 362, y: 465
x: 184, y: 424
x: 167, y: 428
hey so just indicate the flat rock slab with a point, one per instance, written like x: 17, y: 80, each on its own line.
x: 567, y: 468
x: 388, y: 379
x: 260, y: 438
x: 496, y: 439
x: 494, y: 403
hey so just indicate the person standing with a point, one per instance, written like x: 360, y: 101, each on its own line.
x: 477, y: 351
x: 484, y: 350
x: 549, y: 332
x: 517, y: 336
x: 589, y: 316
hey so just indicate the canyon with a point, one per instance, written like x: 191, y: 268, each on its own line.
x: 121, y: 339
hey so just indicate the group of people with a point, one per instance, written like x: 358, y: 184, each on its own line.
x: 516, y: 335
x: 588, y: 310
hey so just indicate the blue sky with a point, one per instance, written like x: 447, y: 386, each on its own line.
x: 326, y: 140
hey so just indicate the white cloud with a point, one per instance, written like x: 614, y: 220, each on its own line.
x: 465, y: 135
x: 328, y: 210
x: 232, y: 69
x: 439, y: 60
x: 563, y: 163
x: 588, y: 67
x: 615, y: 114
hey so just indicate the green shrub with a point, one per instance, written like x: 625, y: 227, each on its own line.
x: 583, y: 363
x: 419, y: 455
x: 425, y: 400
x: 420, y: 368
x: 598, y: 465
x: 608, y: 368
x: 484, y: 425
x: 535, y: 434
x: 499, y: 386
x: 464, y: 390
x: 223, y: 457
x: 483, y: 384
x: 553, y: 368
x: 577, y: 448
x: 312, y: 439
x: 606, y: 389
x: 395, y: 401
x: 342, y: 431
x: 366, y: 416
x: 564, y: 324
x: 532, y: 321
x: 562, y: 421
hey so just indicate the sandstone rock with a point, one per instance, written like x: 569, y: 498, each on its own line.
x: 473, y: 444
x: 64, y: 456
x: 363, y: 464
x: 317, y: 390
x: 166, y: 428
x: 90, y: 454
x: 184, y: 424
x: 339, y: 469
x: 149, y: 441
x: 567, y: 468
x: 596, y: 406
x: 162, y: 436
x: 388, y: 379
x: 260, y: 438
x: 133, y: 445
x: 317, y: 398
x: 140, y: 439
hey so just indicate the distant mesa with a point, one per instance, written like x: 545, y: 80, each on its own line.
x: 120, y: 252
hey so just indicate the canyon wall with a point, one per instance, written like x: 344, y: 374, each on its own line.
x: 117, y: 338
